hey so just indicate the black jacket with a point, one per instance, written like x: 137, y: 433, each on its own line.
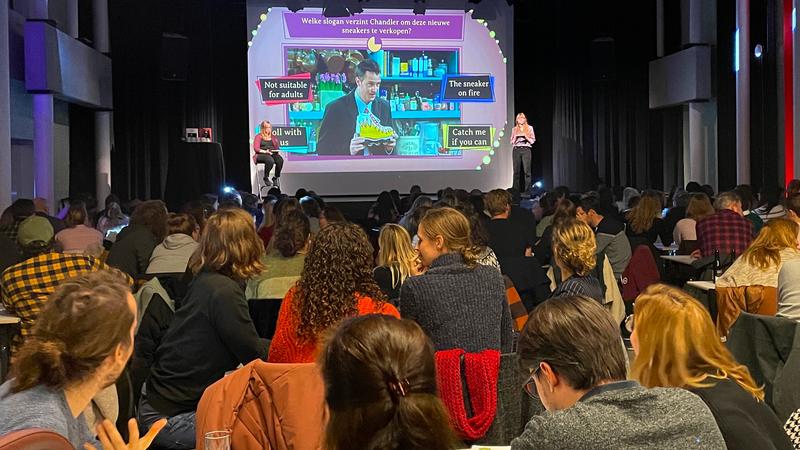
x: 210, y: 334
x: 745, y: 423
x: 132, y: 250
x: 339, y: 123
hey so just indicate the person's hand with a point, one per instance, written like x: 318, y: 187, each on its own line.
x: 356, y: 145
x: 112, y: 440
x: 696, y: 254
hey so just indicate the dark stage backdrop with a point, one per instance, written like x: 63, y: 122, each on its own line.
x: 150, y: 113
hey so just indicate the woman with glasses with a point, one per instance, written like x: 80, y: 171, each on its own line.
x: 676, y: 345
x: 577, y: 363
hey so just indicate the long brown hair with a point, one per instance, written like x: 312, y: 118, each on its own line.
x: 454, y: 229
x: 80, y: 325
x: 151, y: 214
x: 679, y: 345
x: 699, y: 207
x: 292, y: 234
x: 229, y: 245
x: 76, y: 214
x: 642, y: 216
x: 394, y: 247
x: 338, y: 266
x: 776, y: 235
x: 380, y: 386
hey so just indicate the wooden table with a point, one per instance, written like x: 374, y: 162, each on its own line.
x: 8, y: 328
x: 680, y: 259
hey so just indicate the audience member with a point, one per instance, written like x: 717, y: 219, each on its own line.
x: 746, y: 196
x: 24, y: 287
x: 329, y: 215
x: 699, y: 208
x: 643, y: 223
x: 380, y: 387
x: 172, y: 255
x: 793, y: 187
x: 78, y: 237
x: 79, y: 346
x: 397, y: 260
x: 543, y: 212
x: 284, y: 259
x: 135, y: 243
x: 789, y: 290
x: 9, y: 253
x: 211, y: 333
x: 336, y: 283
x: 421, y: 201
x: 110, y: 198
x: 577, y: 362
x: 383, y: 211
x: 20, y: 210
x: 543, y: 250
x: 267, y: 227
x: 776, y: 244
x: 43, y: 210
x: 312, y: 210
x: 407, y: 201
x: 479, y: 233
x: 693, y: 187
x: 726, y: 230
x: 676, y: 345
x: 793, y: 208
x: 629, y: 195
x: 574, y: 253
x: 507, y: 237
x: 610, y: 235
x: 112, y: 221
x: 771, y: 206
x: 678, y: 210
x: 459, y: 303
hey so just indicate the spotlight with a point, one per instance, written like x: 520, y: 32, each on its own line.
x: 228, y: 189
x: 419, y: 6
x: 758, y: 51
x: 539, y: 184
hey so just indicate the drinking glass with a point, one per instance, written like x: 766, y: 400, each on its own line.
x: 218, y: 440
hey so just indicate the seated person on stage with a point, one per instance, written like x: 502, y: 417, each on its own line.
x: 574, y: 254
x: 266, y: 151
x: 336, y: 283
x: 577, y: 364
x: 342, y: 131
x: 79, y: 346
x: 726, y: 230
x: 25, y: 287
x: 134, y: 245
x: 172, y: 255
x: 507, y: 237
x: 610, y: 235
x: 211, y: 333
x: 459, y: 303
x: 677, y: 345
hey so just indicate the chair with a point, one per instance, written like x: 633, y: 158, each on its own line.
x: 528, y: 278
x: 732, y: 301
x: 34, y: 439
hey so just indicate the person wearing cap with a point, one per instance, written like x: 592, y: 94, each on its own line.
x: 25, y: 287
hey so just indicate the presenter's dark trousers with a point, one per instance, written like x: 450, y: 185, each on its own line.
x: 522, y: 155
x: 271, y: 160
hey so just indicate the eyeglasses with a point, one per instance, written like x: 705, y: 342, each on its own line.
x: 629, y: 321
x: 530, y: 385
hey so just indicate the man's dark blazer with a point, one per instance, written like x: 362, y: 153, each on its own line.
x: 339, y: 123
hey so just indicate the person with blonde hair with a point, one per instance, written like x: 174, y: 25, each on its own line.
x: 459, y: 303
x: 522, y: 138
x: 760, y: 264
x: 397, y: 260
x: 676, y: 345
x: 211, y: 333
x: 574, y: 253
x: 644, y: 224
x: 699, y: 207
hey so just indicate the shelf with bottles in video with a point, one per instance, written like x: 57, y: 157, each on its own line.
x: 411, y: 83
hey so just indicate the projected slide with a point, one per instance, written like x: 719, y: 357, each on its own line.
x: 381, y: 91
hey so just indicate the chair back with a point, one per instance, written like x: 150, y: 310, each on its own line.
x: 34, y: 439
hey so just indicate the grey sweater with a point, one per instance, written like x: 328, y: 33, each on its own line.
x: 789, y: 291
x: 42, y: 407
x: 459, y: 306
x: 625, y: 415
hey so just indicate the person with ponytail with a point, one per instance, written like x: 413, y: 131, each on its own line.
x: 380, y: 387
x: 459, y: 303
x: 677, y: 345
x: 79, y: 346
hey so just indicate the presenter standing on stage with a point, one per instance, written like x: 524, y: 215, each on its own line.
x: 522, y: 138
x: 265, y: 151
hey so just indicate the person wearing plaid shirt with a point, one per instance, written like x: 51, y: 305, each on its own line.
x: 727, y: 230
x: 25, y: 287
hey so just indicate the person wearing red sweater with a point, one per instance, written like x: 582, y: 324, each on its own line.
x: 336, y: 283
